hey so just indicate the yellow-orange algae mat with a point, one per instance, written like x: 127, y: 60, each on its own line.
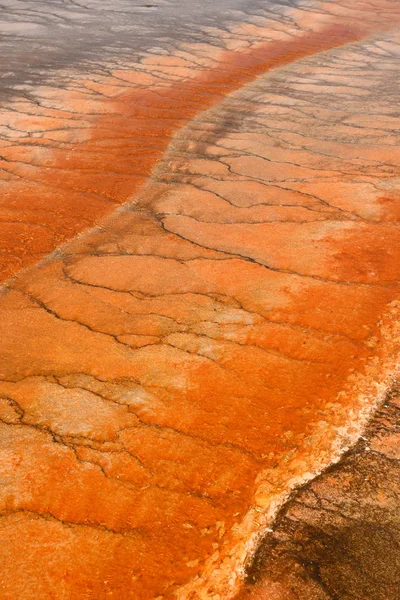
x: 169, y: 376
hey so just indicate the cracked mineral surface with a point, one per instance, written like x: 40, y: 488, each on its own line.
x: 199, y: 250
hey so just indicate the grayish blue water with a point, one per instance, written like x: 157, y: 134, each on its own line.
x: 38, y: 37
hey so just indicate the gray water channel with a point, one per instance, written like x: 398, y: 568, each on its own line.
x: 39, y: 37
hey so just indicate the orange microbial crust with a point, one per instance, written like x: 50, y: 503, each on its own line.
x: 168, y: 377
x: 55, y: 184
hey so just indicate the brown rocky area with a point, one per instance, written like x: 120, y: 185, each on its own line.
x: 339, y: 537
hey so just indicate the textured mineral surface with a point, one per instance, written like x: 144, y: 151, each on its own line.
x: 200, y: 254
